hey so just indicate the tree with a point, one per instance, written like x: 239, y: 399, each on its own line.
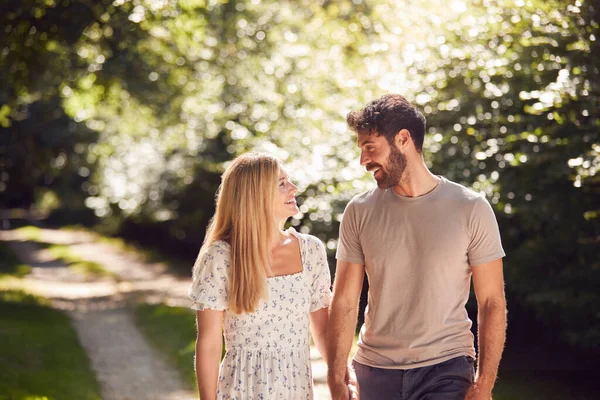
x: 514, y: 106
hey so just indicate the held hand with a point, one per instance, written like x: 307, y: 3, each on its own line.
x: 476, y: 392
x: 340, y: 391
x: 347, y: 390
x: 352, y: 383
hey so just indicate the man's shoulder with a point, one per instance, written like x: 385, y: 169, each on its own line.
x: 460, y: 192
x: 366, y: 197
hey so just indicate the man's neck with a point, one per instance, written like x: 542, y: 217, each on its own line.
x: 416, y: 181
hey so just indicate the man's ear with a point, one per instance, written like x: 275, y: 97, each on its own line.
x: 402, y: 138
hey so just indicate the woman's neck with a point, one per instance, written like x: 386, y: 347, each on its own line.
x: 278, y: 237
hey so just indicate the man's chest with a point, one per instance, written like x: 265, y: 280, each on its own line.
x: 427, y: 237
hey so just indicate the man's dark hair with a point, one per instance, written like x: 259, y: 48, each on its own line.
x: 388, y: 115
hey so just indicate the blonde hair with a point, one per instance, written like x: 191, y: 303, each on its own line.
x: 244, y: 219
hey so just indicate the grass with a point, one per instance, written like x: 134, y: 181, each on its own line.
x: 63, y: 253
x: 32, y: 233
x: 546, y: 385
x: 40, y: 354
x: 10, y: 266
x: 88, y: 268
x: 172, y: 330
x: 149, y: 255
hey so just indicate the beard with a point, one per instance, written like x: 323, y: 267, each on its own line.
x: 392, y: 174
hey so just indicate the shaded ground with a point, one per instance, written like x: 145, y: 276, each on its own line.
x: 40, y: 353
x: 126, y: 366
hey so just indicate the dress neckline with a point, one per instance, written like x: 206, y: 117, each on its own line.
x: 301, y: 245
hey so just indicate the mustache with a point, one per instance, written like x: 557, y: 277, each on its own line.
x: 371, y: 166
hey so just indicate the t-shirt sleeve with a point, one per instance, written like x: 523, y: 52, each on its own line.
x: 209, y: 288
x: 320, y: 288
x: 349, y: 247
x: 485, y: 245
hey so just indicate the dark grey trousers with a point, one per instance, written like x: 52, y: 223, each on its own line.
x: 448, y: 380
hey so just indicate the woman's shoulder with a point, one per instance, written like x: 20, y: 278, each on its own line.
x: 221, y: 244
x: 217, y: 249
x: 309, y: 240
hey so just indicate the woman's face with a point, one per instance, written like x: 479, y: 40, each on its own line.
x: 285, y: 199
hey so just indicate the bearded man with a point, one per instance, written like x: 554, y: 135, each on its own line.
x: 421, y: 239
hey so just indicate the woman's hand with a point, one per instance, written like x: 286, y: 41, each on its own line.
x: 347, y: 390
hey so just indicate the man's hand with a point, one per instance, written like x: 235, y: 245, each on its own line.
x: 347, y: 390
x: 339, y: 391
x: 478, y: 392
x: 352, y: 383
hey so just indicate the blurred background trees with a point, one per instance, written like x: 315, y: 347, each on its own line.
x: 122, y: 114
x: 515, y: 113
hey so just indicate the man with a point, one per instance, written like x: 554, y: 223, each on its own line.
x: 420, y: 238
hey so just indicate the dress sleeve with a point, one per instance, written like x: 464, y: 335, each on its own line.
x: 209, y: 288
x: 320, y: 289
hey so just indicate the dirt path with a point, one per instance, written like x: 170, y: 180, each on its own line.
x: 126, y: 366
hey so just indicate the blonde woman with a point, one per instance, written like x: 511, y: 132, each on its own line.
x: 262, y: 286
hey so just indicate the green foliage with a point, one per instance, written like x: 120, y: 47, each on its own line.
x: 153, y: 255
x: 10, y: 265
x: 515, y: 113
x: 21, y: 297
x: 31, y: 233
x: 64, y: 254
x: 173, y: 331
x: 133, y: 109
x: 40, y: 353
x: 549, y: 385
x: 88, y: 268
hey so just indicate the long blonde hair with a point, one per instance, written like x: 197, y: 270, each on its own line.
x: 244, y: 219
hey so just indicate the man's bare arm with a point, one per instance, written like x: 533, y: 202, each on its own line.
x: 342, y: 324
x: 488, y: 283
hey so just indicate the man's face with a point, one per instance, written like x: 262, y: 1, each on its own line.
x: 385, y: 161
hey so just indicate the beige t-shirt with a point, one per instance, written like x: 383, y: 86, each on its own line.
x: 417, y: 253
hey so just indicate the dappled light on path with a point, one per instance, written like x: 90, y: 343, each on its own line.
x: 132, y: 277
x: 126, y: 367
x: 101, y: 311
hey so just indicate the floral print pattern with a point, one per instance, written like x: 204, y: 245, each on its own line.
x: 267, y: 353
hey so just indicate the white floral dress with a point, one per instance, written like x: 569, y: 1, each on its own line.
x: 268, y: 353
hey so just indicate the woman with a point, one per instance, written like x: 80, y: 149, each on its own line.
x: 262, y: 285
